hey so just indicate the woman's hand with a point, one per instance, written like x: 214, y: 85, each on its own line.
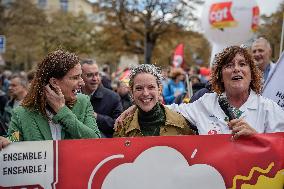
x: 54, y: 98
x: 129, y: 111
x: 4, y: 142
x: 240, y: 127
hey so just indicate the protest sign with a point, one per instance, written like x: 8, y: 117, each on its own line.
x: 176, y: 162
x: 274, y: 87
x: 27, y: 163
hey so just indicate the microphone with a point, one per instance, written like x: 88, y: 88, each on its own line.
x: 226, y: 107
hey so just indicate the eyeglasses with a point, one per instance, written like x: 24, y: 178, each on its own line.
x: 91, y: 75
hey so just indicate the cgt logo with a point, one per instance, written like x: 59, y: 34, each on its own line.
x: 220, y: 15
x: 212, y: 132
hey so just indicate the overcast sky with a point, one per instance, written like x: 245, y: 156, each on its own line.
x: 268, y: 6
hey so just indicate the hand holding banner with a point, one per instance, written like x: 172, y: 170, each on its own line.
x: 153, y: 162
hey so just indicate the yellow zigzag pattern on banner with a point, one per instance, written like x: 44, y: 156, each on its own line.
x: 240, y: 177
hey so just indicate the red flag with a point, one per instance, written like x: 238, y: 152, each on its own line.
x: 178, y: 59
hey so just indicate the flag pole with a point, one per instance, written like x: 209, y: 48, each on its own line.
x: 189, y: 86
x: 282, y: 33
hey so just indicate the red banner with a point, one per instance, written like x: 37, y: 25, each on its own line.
x: 154, y: 162
x: 220, y: 15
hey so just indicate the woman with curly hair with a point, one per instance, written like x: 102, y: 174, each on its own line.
x: 236, y: 85
x: 52, y: 109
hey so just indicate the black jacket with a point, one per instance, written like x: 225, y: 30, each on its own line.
x: 126, y: 101
x: 201, y: 92
x: 107, y: 105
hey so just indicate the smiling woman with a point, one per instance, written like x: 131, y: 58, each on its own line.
x: 52, y: 109
x: 151, y: 118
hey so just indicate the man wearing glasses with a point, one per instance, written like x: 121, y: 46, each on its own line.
x: 106, y: 103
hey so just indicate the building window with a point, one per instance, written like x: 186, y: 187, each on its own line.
x: 64, y: 5
x: 41, y: 4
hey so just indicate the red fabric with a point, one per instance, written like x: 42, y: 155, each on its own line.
x: 178, y: 58
x: 205, y: 71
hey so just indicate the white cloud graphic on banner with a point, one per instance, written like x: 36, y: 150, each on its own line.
x: 162, y: 167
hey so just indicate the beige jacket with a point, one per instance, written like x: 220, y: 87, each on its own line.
x: 175, y: 124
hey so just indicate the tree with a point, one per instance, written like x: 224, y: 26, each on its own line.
x: 271, y: 29
x: 2, y: 18
x: 143, y: 22
x: 24, y: 25
x: 74, y: 33
x: 31, y: 34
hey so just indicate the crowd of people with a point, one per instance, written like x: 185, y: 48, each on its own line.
x: 69, y: 98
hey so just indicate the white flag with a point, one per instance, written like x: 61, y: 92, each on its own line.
x: 274, y: 87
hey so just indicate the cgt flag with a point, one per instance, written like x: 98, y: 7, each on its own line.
x: 178, y: 59
x: 274, y: 87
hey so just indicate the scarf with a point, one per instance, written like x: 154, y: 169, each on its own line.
x: 150, y: 122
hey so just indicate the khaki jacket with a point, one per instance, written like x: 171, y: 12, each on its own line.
x: 175, y: 124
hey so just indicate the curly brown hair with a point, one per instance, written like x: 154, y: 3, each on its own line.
x: 225, y: 57
x: 55, y: 65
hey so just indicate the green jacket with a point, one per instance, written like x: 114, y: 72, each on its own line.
x: 77, y: 123
x: 175, y: 124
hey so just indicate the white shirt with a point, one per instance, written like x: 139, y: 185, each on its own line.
x: 264, y: 115
x: 55, y: 128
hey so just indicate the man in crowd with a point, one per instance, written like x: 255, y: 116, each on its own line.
x: 106, y: 103
x: 105, y: 77
x: 124, y: 92
x: 18, y: 89
x: 3, y: 101
x: 261, y: 51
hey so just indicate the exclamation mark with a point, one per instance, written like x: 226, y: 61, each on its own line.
x: 45, y: 168
x: 45, y: 155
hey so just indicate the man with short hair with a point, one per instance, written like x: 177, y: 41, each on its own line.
x: 261, y: 51
x: 106, y: 103
x: 124, y: 92
x: 18, y: 89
